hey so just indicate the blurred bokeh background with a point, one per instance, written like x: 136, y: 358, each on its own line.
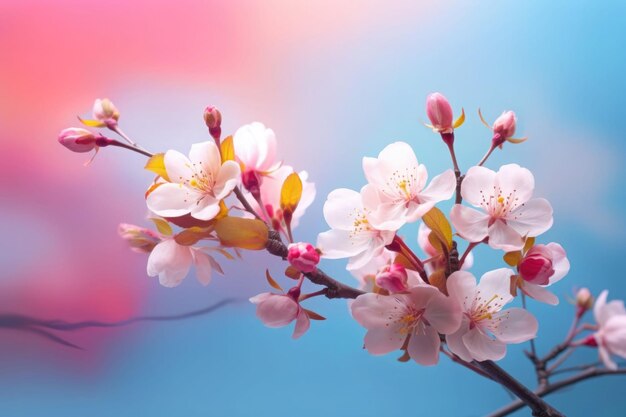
x: 336, y: 81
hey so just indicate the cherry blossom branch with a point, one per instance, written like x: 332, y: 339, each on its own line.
x: 335, y: 289
x: 246, y: 205
x: 539, y: 407
x: 587, y: 374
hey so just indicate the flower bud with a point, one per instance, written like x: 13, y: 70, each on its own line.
x: 105, y: 112
x: 536, y: 266
x: 303, y: 256
x: 439, y: 112
x: 77, y: 139
x: 276, y: 310
x: 213, y: 120
x: 393, y: 278
x: 505, y: 125
x: 140, y: 239
x: 584, y: 299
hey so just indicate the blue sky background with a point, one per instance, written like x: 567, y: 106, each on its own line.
x: 560, y: 65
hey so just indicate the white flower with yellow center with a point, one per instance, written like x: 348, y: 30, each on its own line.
x: 395, y: 194
x: 351, y: 235
x: 196, y: 184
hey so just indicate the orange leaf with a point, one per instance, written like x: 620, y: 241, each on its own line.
x: 458, y: 122
x: 92, y: 123
x: 512, y: 258
x: 162, y: 226
x: 156, y: 164
x: 271, y: 281
x: 530, y: 242
x: 438, y: 279
x: 292, y: 272
x: 192, y: 235
x: 242, y: 233
x: 313, y: 315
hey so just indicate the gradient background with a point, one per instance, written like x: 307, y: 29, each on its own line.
x: 336, y: 81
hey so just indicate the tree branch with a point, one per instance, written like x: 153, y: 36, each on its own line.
x: 588, y: 374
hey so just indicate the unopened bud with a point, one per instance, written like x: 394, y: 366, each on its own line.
x: 505, y: 125
x: 105, y: 112
x: 77, y: 139
x: 213, y: 120
x: 140, y: 239
x: 536, y: 267
x: 393, y: 278
x: 439, y: 112
x: 303, y: 256
x: 251, y: 181
x: 584, y: 299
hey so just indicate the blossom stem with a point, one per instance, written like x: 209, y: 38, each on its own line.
x: 398, y: 245
x: 323, y: 291
x: 457, y: 171
x: 131, y: 148
x: 482, y: 161
x: 246, y: 205
x: 471, y: 246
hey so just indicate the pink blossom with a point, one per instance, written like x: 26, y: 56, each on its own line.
x: 196, y: 184
x: 438, y: 260
x: 303, y: 256
x: 213, y: 120
x: 140, y: 239
x: 366, y: 275
x: 351, y: 235
x: 393, y: 278
x: 105, y: 112
x: 396, y: 192
x: 505, y: 125
x: 255, y: 148
x: 508, y: 214
x: 439, y: 112
x: 486, y: 329
x: 542, y: 266
x: 420, y: 315
x: 278, y: 310
x: 584, y: 299
x: 611, y: 335
x: 172, y: 262
x: 270, y: 196
x: 77, y: 139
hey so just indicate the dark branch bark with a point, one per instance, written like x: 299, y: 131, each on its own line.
x: 588, y: 374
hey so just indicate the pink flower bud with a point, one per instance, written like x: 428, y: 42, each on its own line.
x: 536, y: 266
x: 439, y: 112
x: 505, y: 125
x: 276, y: 310
x: 303, y: 256
x: 77, y: 139
x: 140, y: 239
x: 393, y: 278
x: 584, y: 299
x: 213, y: 120
x: 105, y: 112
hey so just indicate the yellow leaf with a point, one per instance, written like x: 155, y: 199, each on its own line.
x: 516, y: 140
x: 242, y: 233
x: 313, y: 315
x: 162, y: 226
x: 437, y: 222
x: 156, y: 164
x: 512, y: 258
x: 435, y: 242
x: 404, y: 261
x: 271, y: 281
x: 192, y: 235
x: 530, y: 242
x: 290, y: 193
x: 458, y: 122
x: 227, y: 149
x: 92, y: 123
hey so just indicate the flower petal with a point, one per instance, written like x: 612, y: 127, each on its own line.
x: 336, y: 244
x: 172, y: 200
x: 532, y: 218
x: 202, y: 262
x: 477, y: 185
x: 560, y: 263
x: 539, y: 293
x: 170, y: 261
x: 440, y: 188
x: 483, y: 348
x: 496, y: 284
x: 227, y: 179
x: 514, y: 180
x: 455, y: 341
x: 177, y: 166
x: 381, y: 341
x: 514, y: 325
x: 302, y: 324
x: 424, y: 345
x: 443, y: 314
x: 341, y: 207
x: 461, y: 287
x: 502, y: 236
x: 205, y: 156
x: 206, y: 209
x: 471, y: 224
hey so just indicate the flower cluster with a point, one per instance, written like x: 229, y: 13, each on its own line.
x: 234, y: 193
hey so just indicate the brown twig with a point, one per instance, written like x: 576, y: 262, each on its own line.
x: 582, y: 376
